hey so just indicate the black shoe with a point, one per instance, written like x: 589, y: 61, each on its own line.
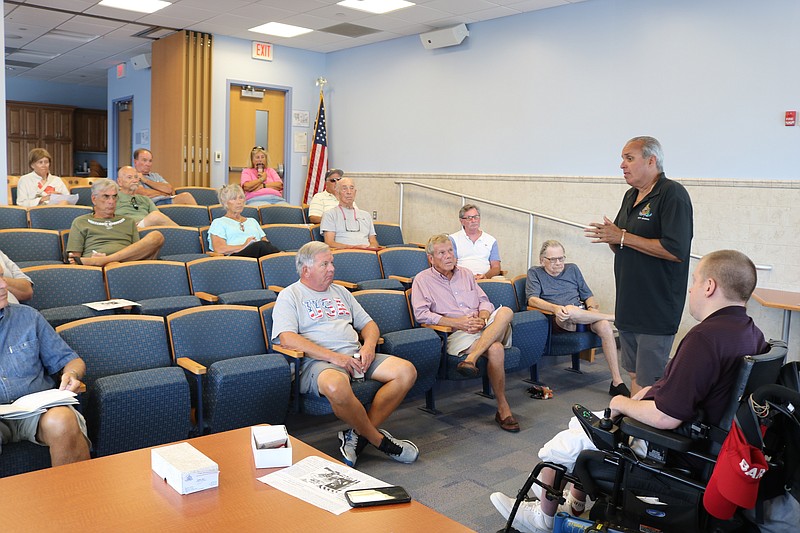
x: 619, y: 390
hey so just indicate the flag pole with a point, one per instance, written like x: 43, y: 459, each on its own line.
x: 318, y: 156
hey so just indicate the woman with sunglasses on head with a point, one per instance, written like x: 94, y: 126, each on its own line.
x: 234, y: 234
x: 36, y: 187
x: 261, y: 184
x: 327, y: 198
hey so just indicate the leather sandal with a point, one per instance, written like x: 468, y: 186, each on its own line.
x: 467, y: 369
x: 508, y: 423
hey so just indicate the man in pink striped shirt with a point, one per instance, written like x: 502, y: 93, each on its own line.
x: 447, y: 295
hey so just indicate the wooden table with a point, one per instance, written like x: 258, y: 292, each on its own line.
x: 786, y: 300
x: 121, y: 493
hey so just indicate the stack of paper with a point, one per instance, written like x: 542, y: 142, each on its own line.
x: 37, y: 403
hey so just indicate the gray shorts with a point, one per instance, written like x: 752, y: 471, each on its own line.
x: 311, y: 369
x: 26, y: 428
x: 644, y: 355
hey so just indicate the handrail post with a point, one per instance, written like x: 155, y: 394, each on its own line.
x: 530, y: 240
x: 400, y: 219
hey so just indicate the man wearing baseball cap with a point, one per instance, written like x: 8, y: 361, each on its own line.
x: 699, y: 378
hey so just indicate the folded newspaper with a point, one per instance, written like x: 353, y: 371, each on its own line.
x: 37, y: 403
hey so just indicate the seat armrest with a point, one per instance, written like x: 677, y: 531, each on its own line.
x: 275, y: 288
x: 346, y: 284
x: 295, y: 354
x: 661, y: 437
x: 437, y: 327
x: 191, y: 366
x: 401, y: 279
x: 543, y: 311
x: 215, y: 254
x: 207, y: 297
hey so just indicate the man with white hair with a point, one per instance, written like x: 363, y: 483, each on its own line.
x: 324, y: 321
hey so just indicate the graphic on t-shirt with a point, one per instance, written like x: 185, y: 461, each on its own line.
x: 646, y: 212
x: 326, y: 307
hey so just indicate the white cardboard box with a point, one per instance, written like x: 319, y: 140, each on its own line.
x: 272, y: 457
x: 184, y: 468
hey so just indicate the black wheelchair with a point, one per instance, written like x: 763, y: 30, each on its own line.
x: 663, y: 491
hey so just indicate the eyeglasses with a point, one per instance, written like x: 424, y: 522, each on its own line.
x: 556, y: 259
x: 134, y: 203
x: 257, y: 148
x: 333, y: 180
x: 471, y: 217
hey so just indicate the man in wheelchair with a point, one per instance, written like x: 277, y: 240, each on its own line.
x: 699, y: 379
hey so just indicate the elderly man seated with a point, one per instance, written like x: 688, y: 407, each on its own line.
x: 475, y: 249
x: 32, y: 352
x: 326, y: 199
x: 448, y: 295
x: 347, y: 226
x: 153, y: 185
x: 103, y: 237
x: 137, y: 206
x: 559, y: 287
x: 324, y: 321
x: 698, y: 379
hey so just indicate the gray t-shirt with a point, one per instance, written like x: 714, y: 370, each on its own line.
x: 330, y: 319
x: 11, y: 270
x: 568, y: 288
x: 350, y: 226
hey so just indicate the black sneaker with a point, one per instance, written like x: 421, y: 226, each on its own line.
x: 619, y: 390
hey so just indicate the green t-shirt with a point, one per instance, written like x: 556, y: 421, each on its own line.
x: 125, y: 206
x: 105, y: 235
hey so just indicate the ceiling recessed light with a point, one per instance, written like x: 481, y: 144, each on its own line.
x: 280, y: 30
x: 377, y: 7
x: 140, y: 6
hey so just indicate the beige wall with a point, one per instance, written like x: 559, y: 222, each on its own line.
x: 755, y: 217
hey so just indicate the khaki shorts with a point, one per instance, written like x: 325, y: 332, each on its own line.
x: 459, y: 342
x: 26, y: 428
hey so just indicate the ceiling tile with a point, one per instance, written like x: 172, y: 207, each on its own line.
x: 460, y: 7
x: 39, y: 17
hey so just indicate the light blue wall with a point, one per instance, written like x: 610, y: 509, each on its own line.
x: 291, y: 68
x: 136, y: 83
x: 558, y: 91
x: 27, y: 90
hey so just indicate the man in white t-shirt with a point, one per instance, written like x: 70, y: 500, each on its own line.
x: 19, y: 284
x: 475, y: 249
x: 323, y: 321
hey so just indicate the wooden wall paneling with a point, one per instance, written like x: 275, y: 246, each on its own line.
x: 168, y: 89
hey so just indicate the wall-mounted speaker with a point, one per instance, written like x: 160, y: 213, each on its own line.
x: 142, y: 61
x: 444, y: 37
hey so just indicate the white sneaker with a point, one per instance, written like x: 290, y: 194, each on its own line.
x: 529, y: 517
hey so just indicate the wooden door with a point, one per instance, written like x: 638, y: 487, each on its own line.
x: 23, y: 121
x: 124, y: 135
x: 243, y: 130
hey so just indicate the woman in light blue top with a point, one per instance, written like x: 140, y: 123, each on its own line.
x: 234, y: 234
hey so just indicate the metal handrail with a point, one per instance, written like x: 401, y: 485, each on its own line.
x: 531, y: 214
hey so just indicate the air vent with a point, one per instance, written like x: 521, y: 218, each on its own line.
x: 349, y: 30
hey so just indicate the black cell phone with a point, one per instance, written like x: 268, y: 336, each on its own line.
x: 376, y: 496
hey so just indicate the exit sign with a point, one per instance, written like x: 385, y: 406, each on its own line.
x: 262, y: 51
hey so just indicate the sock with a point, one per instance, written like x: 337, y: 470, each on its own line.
x: 390, y: 447
x: 361, y: 443
x: 577, y: 507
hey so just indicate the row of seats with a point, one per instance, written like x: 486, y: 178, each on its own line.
x: 162, y: 287
x: 58, y: 217
x: 202, y: 195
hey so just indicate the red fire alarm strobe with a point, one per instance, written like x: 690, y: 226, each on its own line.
x: 791, y: 118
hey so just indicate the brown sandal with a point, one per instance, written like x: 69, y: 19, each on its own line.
x: 467, y: 369
x: 508, y: 423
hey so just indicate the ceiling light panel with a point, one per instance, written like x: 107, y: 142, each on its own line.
x: 139, y: 6
x: 280, y: 30
x: 378, y: 7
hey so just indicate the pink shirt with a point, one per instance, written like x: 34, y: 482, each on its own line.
x: 434, y: 296
x: 250, y: 174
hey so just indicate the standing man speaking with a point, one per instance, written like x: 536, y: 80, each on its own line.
x: 651, y: 238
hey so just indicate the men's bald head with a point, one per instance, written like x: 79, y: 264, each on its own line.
x: 346, y: 189
x: 128, y: 179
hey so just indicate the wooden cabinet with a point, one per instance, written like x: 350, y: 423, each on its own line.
x: 32, y: 125
x: 55, y: 123
x: 91, y: 130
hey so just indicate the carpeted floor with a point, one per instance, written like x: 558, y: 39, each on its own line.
x: 464, y: 456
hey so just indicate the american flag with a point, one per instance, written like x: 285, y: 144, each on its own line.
x: 318, y: 160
